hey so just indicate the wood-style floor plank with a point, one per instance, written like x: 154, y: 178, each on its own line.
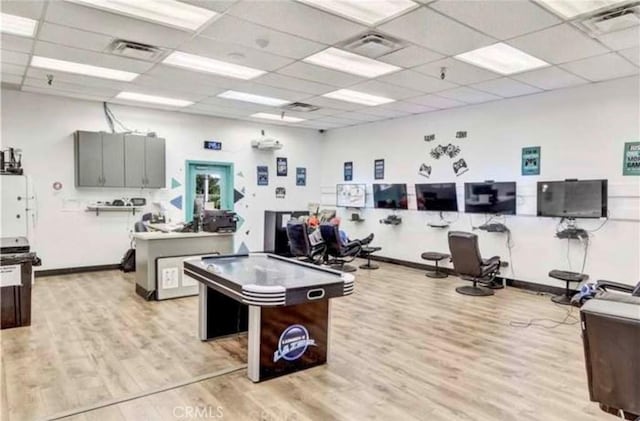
x: 404, y: 347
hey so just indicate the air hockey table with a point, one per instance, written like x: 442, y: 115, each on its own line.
x: 283, y: 304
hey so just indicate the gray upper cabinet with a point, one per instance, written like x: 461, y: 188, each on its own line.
x: 117, y: 160
x: 144, y: 161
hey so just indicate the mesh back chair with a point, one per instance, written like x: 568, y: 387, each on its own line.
x: 300, y: 245
x: 140, y: 227
x: 469, y: 264
x: 340, y: 253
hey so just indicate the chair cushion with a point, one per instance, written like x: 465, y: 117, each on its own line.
x: 434, y: 256
x: 491, y: 261
x: 564, y: 275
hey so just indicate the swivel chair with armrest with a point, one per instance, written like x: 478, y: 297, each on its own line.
x: 340, y: 253
x: 139, y: 226
x: 470, y: 266
x: 611, y: 339
x: 300, y: 245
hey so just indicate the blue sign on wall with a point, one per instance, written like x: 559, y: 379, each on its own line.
x: 301, y: 176
x: 348, y: 171
x: 213, y: 145
x: 378, y: 167
x: 263, y: 175
x: 531, y: 160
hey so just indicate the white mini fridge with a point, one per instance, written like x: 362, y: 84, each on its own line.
x: 18, y: 206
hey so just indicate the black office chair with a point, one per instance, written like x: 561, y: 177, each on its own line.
x: 469, y: 264
x: 146, y: 217
x: 340, y: 253
x: 300, y: 245
x: 140, y: 227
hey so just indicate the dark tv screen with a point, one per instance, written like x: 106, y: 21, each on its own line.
x: 490, y: 198
x: 437, y: 197
x: 390, y: 196
x: 573, y: 199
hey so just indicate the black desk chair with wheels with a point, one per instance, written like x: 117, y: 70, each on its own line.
x: 340, y: 253
x: 300, y: 245
x: 469, y: 264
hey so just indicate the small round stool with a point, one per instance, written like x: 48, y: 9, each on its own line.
x: 367, y: 252
x: 434, y: 256
x: 567, y: 277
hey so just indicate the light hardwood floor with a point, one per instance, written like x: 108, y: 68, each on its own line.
x: 404, y: 347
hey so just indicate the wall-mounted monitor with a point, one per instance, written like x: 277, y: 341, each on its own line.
x: 437, y: 197
x: 390, y: 196
x: 350, y: 195
x: 490, y: 197
x: 573, y: 199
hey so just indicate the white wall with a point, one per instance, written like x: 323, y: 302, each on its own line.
x: 67, y: 236
x: 581, y: 132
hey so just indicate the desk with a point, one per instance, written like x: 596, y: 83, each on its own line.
x: 151, y: 246
x: 284, y: 305
x: 170, y: 227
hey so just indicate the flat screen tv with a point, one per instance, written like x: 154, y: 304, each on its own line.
x: 437, y: 197
x: 490, y: 197
x: 350, y: 195
x: 573, y: 199
x: 390, y: 196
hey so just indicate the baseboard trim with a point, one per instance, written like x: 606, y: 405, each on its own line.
x: 515, y: 283
x: 79, y: 269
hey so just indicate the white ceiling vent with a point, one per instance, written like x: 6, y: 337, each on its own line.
x: 300, y: 107
x: 135, y: 50
x: 612, y: 20
x: 372, y: 44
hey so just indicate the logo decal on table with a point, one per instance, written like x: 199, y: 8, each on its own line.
x: 293, y: 343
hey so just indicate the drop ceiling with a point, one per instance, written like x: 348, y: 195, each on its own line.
x: 277, y: 36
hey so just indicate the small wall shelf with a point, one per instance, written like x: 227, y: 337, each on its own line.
x: 104, y: 208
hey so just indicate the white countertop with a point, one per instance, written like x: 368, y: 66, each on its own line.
x: 176, y: 235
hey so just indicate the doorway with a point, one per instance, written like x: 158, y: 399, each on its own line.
x: 210, y: 181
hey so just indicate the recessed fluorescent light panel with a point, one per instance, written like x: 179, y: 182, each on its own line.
x: 256, y: 99
x: 209, y: 65
x: 133, y: 96
x: 82, y: 69
x: 17, y: 25
x: 166, y: 12
x: 369, y: 12
x: 344, y: 61
x: 502, y: 58
x: 278, y: 117
x: 572, y: 8
x: 358, y: 97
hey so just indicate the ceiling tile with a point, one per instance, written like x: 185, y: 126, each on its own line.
x: 457, y: 71
x: 239, y: 107
x: 607, y: 66
x: 10, y: 78
x: 297, y: 19
x: 28, y: 9
x: 175, y: 75
x: 432, y: 30
x: 407, y: 107
x: 73, y: 37
x: 559, y: 44
x: 234, y: 53
x: 506, y: 87
x: 549, y: 78
x: 12, y: 69
x: 386, y: 90
x: 231, y: 29
x: 357, y: 116
x: 435, y: 101
x: 622, y: 39
x: 185, y: 86
x: 334, y: 104
x: 13, y: 57
x: 35, y: 73
x: 15, y: 43
x: 61, y: 52
x: 386, y: 112
x: 469, y: 95
x: 70, y: 87
x: 264, y: 90
x: 417, y: 81
x: 111, y: 24
x: 166, y: 91
x: 410, y: 56
x: 632, y: 54
x: 69, y: 94
x: 499, y: 19
x: 215, y: 5
x: 320, y: 74
x: 281, y: 81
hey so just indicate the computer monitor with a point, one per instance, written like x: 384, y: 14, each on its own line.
x: 490, y: 198
x: 350, y: 195
x: 390, y: 196
x: 437, y: 197
x: 573, y: 198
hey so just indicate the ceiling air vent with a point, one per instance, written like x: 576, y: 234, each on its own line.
x: 612, y: 20
x: 372, y: 44
x: 135, y: 50
x: 301, y: 107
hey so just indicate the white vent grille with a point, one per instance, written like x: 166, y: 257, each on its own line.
x: 135, y: 50
x: 612, y: 20
x: 372, y: 44
x: 301, y: 107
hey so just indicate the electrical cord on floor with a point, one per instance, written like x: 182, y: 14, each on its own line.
x: 568, y: 320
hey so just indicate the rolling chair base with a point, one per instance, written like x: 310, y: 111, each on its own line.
x: 561, y: 299
x: 344, y: 268
x: 436, y: 275
x: 369, y: 266
x: 494, y: 285
x: 475, y: 291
